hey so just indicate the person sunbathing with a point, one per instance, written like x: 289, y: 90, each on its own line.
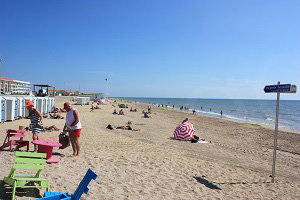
x: 56, y: 116
x: 92, y: 108
x: 122, y: 127
x: 54, y: 109
x: 51, y: 128
x: 45, y: 128
x: 62, y: 110
x: 115, y: 112
x: 97, y: 107
x: 121, y: 112
x: 127, y: 128
x: 147, y: 115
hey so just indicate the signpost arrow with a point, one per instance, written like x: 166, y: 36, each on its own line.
x: 284, y: 88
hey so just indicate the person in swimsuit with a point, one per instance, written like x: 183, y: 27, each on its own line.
x: 73, y: 126
x: 36, y: 124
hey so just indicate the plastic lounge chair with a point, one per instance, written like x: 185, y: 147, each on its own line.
x: 20, y: 134
x: 82, y: 188
x: 27, y: 161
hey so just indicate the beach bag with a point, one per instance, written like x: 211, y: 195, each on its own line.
x: 64, y: 140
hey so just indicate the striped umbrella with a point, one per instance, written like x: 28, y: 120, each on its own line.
x: 184, y: 131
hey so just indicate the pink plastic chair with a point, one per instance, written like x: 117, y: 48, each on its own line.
x: 10, y: 134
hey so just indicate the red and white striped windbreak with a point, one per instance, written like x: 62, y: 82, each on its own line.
x: 184, y: 131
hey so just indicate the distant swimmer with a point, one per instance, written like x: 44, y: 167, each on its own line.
x: 210, y: 109
x: 194, y: 112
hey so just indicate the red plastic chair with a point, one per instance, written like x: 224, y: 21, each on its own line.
x: 10, y: 134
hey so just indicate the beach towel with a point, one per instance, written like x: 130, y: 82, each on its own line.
x: 202, y: 142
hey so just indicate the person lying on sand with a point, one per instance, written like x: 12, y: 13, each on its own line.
x: 45, y: 128
x: 62, y: 110
x: 121, y: 112
x: 122, y: 127
x: 147, y: 115
x: 92, y: 108
x: 51, y: 128
x: 127, y: 128
x: 115, y: 112
x: 56, y: 116
x: 54, y: 109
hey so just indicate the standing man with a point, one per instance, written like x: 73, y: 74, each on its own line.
x: 73, y: 126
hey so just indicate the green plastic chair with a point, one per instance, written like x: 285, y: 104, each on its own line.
x: 27, y: 161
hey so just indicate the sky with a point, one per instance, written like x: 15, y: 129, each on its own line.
x: 153, y: 48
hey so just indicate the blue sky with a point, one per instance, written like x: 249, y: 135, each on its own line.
x: 153, y: 48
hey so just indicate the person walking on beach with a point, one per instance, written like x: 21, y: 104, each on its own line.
x: 221, y: 113
x: 36, y: 124
x: 73, y: 126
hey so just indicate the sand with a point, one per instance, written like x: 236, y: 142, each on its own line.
x: 148, y: 164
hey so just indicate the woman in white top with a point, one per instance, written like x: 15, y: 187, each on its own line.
x: 73, y: 126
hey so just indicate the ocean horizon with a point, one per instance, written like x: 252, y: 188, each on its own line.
x: 253, y: 111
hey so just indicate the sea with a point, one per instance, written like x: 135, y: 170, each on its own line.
x: 261, y: 112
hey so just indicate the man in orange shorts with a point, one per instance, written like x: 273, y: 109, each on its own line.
x: 73, y: 126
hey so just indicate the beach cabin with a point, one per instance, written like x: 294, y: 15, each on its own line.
x: 27, y: 98
x: 41, y: 104
x: 83, y: 100
x: 21, y: 106
x: 46, y: 102
x: 11, y: 108
x: 35, y: 101
x: 51, y: 103
x: 3, y: 109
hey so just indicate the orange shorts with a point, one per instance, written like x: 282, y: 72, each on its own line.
x: 75, y: 133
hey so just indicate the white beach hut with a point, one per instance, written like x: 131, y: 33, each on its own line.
x: 46, y: 101
x: 41, y: 104
x: 35, y: 101
x: 27, y: 98
x: 51, y: 103
x: 83, y: 100
x: 11, y: 108
x: 3, y: 109
x: 21, y: 106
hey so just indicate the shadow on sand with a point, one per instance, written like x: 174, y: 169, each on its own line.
x: 207, y: 183
x: 6, y: 190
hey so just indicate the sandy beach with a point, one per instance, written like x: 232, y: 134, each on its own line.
x: 148, y: 164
